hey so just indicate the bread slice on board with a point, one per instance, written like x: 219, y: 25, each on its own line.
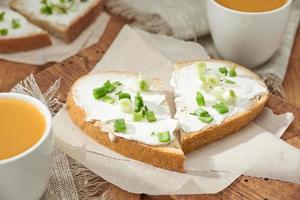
x: 63, y: 19
x: 168, y: 156
x: 195, y: 139
x: 17, y: 34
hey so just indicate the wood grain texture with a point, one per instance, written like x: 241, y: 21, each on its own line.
x: 244, y: 187
x: 291, y: 83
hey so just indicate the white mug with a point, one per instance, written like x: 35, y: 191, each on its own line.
x: 247, y: 38
x: 25, y: 176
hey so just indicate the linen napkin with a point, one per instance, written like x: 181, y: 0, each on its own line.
x: 210, y: 169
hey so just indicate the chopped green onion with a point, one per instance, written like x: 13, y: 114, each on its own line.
x: 201, y: 69
x: 123, y: 95
x: 2, y: 14
x: 137, y: 116
x: 144, y: 85
x: 206, y: 119
x: 164, y: 136
x: 153, y: 133
x: 221, y: 108
x: 108, y: 99
x: 110, y: 87
x: 125, y: 105
x: 145, y: 110
x: 229, y: 81
x: 150, y: 116
x: 203, y: 115
x: 200, y: 99
x: 223, y: 70
x: 59, y: 9
x: 46, y: 10
x: 99, y: 92
x: 15, y: 24
x: 212, y: 80
x: 3, y: 32
x: 232, y: 72
x: 139, y: 102
x: 229, y: 96
x: 120, y: 125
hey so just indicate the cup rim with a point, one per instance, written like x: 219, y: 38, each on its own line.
x: 46, y: 114
x: 288, y: 2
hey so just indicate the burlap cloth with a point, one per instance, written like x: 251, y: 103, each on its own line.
x: 72, y: 181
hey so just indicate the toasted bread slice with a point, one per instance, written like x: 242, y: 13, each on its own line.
x: 67, y: 21
x: 193, y: 138
x: 168, y: 156
x: 17, y: 34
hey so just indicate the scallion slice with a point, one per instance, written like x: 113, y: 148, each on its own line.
x: 229, y: 81
x: 201, y: 67
x: 223, y: 70
x: 206, y: 119
x: 137, y: 116
x: 123, y: 95
x: 221, y: 108
x: 200, y: 99
x: 150, y: 115
x: 232, y: 72
x: 15, y: 24
x: 229, y: 96
x: 2, y: 14
x: 120, y: 125
x: 99, y: 92
x: 3, y: 32
x: 108, y: 99
x: 125, y: 105
x: 164, y: 136
x: 144, y: 85
x: 139, y: 102
x: 203, y: 115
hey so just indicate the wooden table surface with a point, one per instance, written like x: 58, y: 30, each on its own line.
x: 12, y: 73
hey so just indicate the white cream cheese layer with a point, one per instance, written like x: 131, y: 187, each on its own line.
x: 105, y: 114
x: 186, y: 83
x: 25, y: 27
x: 78, y: 9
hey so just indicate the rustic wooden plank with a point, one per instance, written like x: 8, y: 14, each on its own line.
x: 291, y: 83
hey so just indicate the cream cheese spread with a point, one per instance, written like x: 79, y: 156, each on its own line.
x: 104, y: 114
x: 74, y: 10
x: 186, y: 83
x: 23, y: 26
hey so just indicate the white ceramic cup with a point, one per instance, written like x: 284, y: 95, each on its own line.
x: 247, y: 38
x: 25, y: 176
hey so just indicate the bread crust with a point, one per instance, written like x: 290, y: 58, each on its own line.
x: 166, y: 157
x: 24, y: 43
x: 191, y: 141
x: 67, y: 33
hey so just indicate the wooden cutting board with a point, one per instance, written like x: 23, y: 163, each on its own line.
x: 243, y: 188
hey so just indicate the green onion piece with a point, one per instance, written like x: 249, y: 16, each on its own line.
x: 229, y: 81
x: 137, y: 116
x: 123, y: 95
x: 221, y: 108
x: 153, y: 133
x: 200, y: 99
x: 125, y: 105
x: 3, y: 32
x: 120, y: 125
x: 229, y: 97
x: 144, y: 85
x: 109, y: 86
x: 212, y: 80
x: 150, y: 116
x: 15, y: 24
x: 47, y: 10
x: 232, y: 72
x: 108, y: 99
x: 99, y: 92
x: 139, y: 102
x: 164, y: 136
x: 201, y: 69
x: 223, y: 70
x: 59, y: 9
x: 206, y: 119
x: 2, y: 14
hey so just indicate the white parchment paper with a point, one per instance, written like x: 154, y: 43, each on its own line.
x: 257, y: 150
x: 60, y: 50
